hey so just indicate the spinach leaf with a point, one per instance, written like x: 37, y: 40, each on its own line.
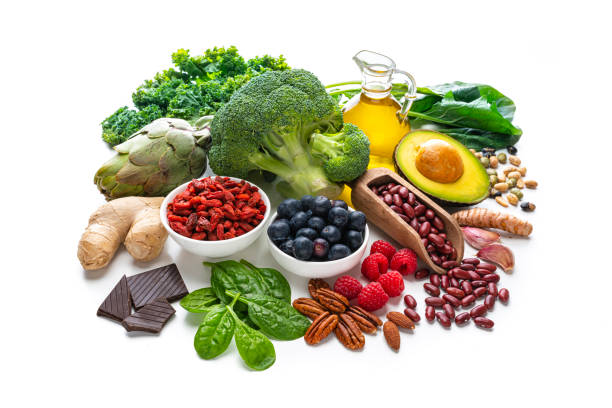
x: 256, y: 350
x: 199, y: 301
x: 215, y: 332
x: 236, y: 277
x: 276, y: 284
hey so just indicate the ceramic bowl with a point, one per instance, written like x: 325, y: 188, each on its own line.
x: 214, y: 249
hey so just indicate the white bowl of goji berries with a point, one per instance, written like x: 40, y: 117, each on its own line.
x: 215, y: 216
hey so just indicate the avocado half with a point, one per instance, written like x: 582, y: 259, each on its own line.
x: 465, y: 183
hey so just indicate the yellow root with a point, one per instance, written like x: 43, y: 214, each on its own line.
x: 483, y: 218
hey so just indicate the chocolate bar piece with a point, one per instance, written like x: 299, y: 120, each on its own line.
x: 118, y: 304
x: 164, y: 282
x: 150, y: 318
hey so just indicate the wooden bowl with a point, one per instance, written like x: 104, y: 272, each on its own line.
x: 381, y: 215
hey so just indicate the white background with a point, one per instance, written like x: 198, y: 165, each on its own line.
x: 66, y: 66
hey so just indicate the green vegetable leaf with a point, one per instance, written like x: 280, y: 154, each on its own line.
x: 199, y: 301
x: 256, y: 350
x: 274, y: 317
x: 215, y: 332
x: 276, y: 284
x: 235, y: 277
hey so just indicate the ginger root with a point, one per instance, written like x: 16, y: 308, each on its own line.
x: 483, y: 218
x: 132, y: 220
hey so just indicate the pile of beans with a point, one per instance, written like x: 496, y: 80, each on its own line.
x: 464, y: 284
x: 422, y: 219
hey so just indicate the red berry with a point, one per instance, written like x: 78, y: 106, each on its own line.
x: 372, y: 297
x: 392, y: 282
x: 348, y: 286
x: 374, y: 265
x: 384, y: 248
x: 404, y: 261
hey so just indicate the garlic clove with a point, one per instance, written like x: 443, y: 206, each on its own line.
x: 479, y: 238
x: 498, y: 254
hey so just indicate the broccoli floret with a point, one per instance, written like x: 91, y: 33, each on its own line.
x: 268, y: 124
x: 345, y: 154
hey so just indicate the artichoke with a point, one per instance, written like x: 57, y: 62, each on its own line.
x: 158, y: 158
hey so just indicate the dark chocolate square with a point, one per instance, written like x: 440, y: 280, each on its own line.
x: 118, y: 303
x: 150, y: 318
x: 164, y: 282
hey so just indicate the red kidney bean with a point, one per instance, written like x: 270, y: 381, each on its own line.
x: 374, y: 189
x: 490, y: 301
x: 461, y: 274
x: 429, y: 214
x: 462, y: 318
x: 450, y: 312
x: 473, y: 261
x: 412, y: 314
x: 397, y: 209
x: 444, y: 282
x: 467, y: 267
x: 458, y: 293
x: 479, y: 283
x: 443, y: 319
x: 422, y: 219
x: 454, y: 283
x: 480, y: 292
x: 492, y: 287
x: 403, y: 192
x: 449, y: 264
x: 411, y: 198
x: 478, y: 310
x: 438, y: 223
x: 474, y: 275
x: 433, y: 229
x: 421, y: 273
x: 403, y: 217
x: 446, y: 249
x: 391, y: 185
x: 482, y: 272
x: 410, y: 301
x: 466, y: 287
x: 430, y: 249
x: 488, y: 267
x: 436, y: 259
x: 395, y: 188
x: 419, y: 210
x: 433, y: 290
x: 435, y: 239
x: 388, y: 198
x: 484, y: 322
x: 452, y: 300
x: 430, y: 313
x: 397, y: 200
x: 434, y: 301
x: 414, y: 223
x: 408, y: 210
x: 504, y: 295
x: 435, y: 279
x: 443, y: 236
x: 424, y: 229
x: 492, y: 277
x: 453, y: 254
x: 468, y: 300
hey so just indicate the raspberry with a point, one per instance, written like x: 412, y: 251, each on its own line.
x: 384, y: 248
x: 372, y: 297
x: 404, y: 261
x: 347, y: 286
x: 374, y: 265
x: 392, y: 282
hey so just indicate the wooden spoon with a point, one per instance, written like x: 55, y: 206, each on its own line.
x: 381, y: 215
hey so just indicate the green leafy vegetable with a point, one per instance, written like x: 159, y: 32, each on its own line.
x: 256, y: 350
x: 215, y: 332
x: 475, y: 114
x: 200, y: 301
x: 196, y: 86
x: 235, y: 277
x: 276, y: 284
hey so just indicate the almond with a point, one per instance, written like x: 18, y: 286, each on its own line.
x: 392, y: 335
x: 400, y: 320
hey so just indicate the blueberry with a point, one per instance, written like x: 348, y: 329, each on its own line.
x: 316, y: 223
x: 357, y: 221
x: 338, y: 251
x: 322, y: 206
x: 338, y: 216
x: 279, y: 231
x: 321, y: 248
x: 331, y: 233
x: 298, y: 221
x: 339, y: 203
x: 306, y: 232
x: 302, y: 248
x: 288, y: 208
x: 287, y: 247
x: 308, y: 202
x: 354, y: 239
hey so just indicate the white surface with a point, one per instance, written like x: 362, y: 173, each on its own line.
x: 66, y: 66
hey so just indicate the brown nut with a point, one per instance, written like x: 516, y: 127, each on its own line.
x: 392, y: 335
x: 316, y: 284
x: 308, y: 307
x: 349, y: 333
x: 401, y: 320
x: 321, y: 327
x: 367, y: 322
x: 332, y: 301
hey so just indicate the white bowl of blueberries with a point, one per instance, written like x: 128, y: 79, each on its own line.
x: 317, y: 237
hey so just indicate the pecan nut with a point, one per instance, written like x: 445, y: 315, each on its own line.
x: 321, y: 327
x: 401, y: 320
x: 348, y: 333
x: 332, y: 301
x: 366, y: 321
x: 308, y: 307
x: 316, y: 284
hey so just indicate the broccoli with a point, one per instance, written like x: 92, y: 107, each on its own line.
x: 279, y: 123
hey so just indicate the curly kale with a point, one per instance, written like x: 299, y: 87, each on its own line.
x: 196, y: 86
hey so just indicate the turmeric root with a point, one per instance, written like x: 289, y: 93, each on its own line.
x: 483, y: 218
x: 131, y: 220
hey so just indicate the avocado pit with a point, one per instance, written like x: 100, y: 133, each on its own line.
x: 439, y: 161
